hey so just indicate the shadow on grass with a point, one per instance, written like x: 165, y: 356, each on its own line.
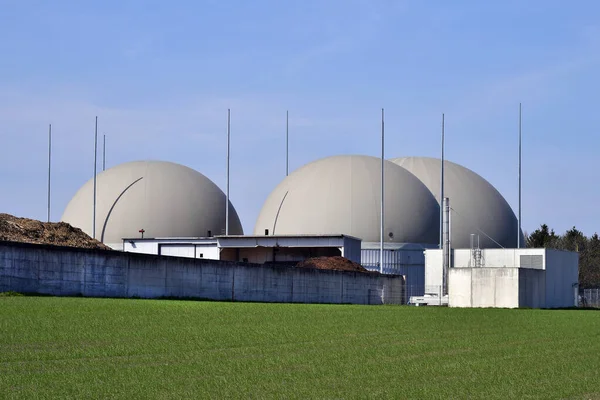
x: 77, y: 295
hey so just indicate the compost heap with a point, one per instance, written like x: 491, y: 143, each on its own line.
x: 15, y: 229
x: 336, y: 263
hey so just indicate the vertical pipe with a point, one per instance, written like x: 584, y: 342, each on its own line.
x: 442, y: 187
x: 287, y: 143
x: 519, y: 218
x: 446, y: 247
x: 228, y: 154
x: 104, y: 154
x: 49, y: 165
x: 382, y: 193
x: 450, y: 229
x: 95, y: 164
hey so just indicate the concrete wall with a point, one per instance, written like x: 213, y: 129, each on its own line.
x: 532, y: 288
x: 66, y: 271
x: 562, y: 277
x: 459, y: 287
x: 495, y: 287
x: 434, y: 262
x: 498, y: 287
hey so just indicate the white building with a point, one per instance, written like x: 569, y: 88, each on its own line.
x: 251, y: 249
x: 510, y: 278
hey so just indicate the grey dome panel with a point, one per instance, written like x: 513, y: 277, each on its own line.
x: 341, y: 194
x: 165, y: 199
x: 477, y: 206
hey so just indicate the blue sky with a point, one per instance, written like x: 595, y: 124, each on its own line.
x: 161, y: 75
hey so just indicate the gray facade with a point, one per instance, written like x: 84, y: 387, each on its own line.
x: 63, y: 271
x: 407, y: 260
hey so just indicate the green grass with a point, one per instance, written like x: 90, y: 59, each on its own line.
x: 107, y: 348
x: 10, y: 294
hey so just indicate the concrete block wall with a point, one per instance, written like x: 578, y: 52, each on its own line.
x: 562, y: 277
x: 63, y: 271
x: 496, y: 287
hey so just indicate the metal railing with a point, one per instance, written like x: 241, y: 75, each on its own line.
x: 589, y: 298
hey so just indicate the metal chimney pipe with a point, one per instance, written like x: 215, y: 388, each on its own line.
x: 446, y: 248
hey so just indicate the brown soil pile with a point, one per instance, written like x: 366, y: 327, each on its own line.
x: 26, y: 230
x: 332, y: 263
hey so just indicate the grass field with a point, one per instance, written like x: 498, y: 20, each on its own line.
x: 103, y: 348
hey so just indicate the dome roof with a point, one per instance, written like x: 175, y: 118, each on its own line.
x: 163, y: 198
x: 342, y: 194
x: 477, y: 207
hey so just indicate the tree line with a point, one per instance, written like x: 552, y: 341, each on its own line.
x: 572, y: 240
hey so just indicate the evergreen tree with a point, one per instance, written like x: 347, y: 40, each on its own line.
x: 572, y: 240
x: 542, y: 237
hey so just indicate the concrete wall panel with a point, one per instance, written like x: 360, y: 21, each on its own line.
x: 532, y: 288
x: 506, y: 287
x: 562, y: 274
x: 94, y: 273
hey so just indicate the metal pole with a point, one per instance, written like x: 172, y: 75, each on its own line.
x: 287, y: 143
x: 382, y: 192
x: 450, y: 226
x: 519, y: 218
x: 442, y: 188
x: 227, y: 191
x: 49, y: 165
x: 104, y: 154
x: 95, y: 164
x: 446, y: 247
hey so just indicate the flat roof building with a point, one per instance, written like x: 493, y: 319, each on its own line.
x: 257, y: 249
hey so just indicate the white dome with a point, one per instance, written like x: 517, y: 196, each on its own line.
x: 342, y: 194
x: 163, y: 198
x: 477, y: 207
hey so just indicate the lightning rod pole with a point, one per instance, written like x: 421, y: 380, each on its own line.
x: 228, y: 155
x: 49, y: 165
x: 104, y: 154
x: 95, y: 171
x: 287, y: 143
x: 442, y: 187
x: 382, y: 192
x: 519, y: 219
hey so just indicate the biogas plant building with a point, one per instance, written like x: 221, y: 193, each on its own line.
x: 328, y: 207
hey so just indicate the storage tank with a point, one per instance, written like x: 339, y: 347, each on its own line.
x: 162, y: 198
x: 477, y: 207
x: 342, y: 194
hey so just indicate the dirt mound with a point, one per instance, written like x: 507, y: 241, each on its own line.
x: 26, y: 230
x: 332, y: 263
